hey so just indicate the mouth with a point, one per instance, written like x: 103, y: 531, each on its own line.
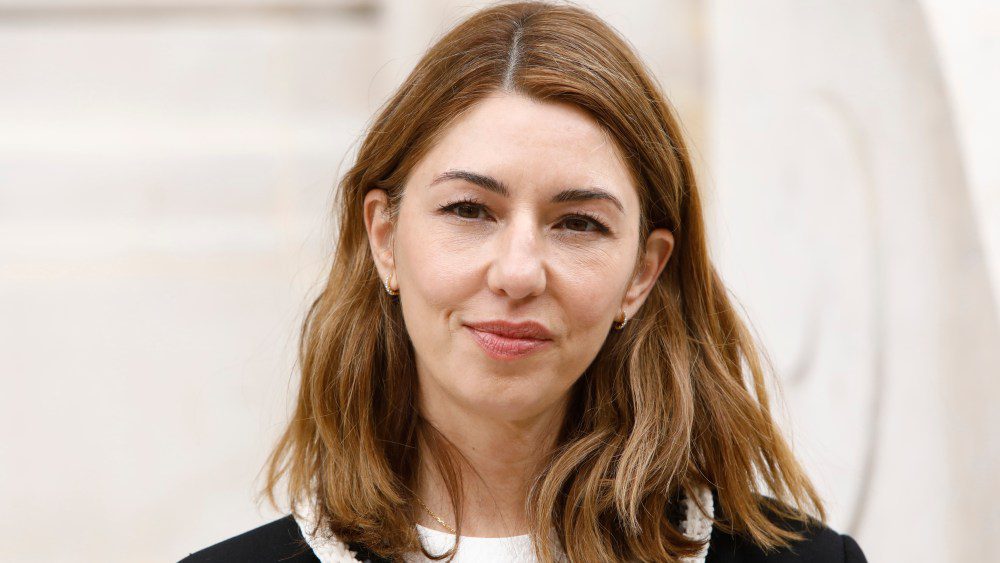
x: 514, y: 329
x: 505, y: 348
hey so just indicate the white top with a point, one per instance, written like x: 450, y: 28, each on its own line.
x: 473, y: 549
x: 696, y: 525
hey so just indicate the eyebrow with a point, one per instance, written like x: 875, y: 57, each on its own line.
x: 496, y: 186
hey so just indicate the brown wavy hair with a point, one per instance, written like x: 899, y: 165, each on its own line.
x: 666, y: 405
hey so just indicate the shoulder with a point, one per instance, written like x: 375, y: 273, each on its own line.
x: 819, y: 544
x: 280, y: 540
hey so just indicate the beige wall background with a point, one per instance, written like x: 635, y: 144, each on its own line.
x: 166, y: 173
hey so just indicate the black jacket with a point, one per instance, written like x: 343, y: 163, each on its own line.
x: 282, y: 541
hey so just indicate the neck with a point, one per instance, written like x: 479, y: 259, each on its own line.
x: 501, y: 457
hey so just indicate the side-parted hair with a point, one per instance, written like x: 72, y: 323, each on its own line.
x: 666, y: 405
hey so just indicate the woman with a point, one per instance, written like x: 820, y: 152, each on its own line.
x: 522, y: 342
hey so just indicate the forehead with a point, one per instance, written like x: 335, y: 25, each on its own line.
x: 531, y: 143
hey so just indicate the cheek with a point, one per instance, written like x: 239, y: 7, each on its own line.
x: 437, y: 266
x: 593, y: 288
x: 588, y: 306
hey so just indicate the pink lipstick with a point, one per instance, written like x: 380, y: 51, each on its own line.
x: 502, y: 347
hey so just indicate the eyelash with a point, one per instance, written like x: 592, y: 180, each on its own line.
x: 602, y: 228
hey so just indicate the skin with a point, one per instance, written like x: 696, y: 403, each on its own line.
x: 516, y: 258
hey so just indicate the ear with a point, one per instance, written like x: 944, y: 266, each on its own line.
x: 659, y: 246
x: 380, y: 230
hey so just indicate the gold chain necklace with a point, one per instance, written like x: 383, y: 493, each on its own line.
x: 436, y: 517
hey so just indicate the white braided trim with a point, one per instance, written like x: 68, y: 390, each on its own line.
x: 327, y: 549
x: 696, y: 525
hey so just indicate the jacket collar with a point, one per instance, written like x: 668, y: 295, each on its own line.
x: 696, y: 525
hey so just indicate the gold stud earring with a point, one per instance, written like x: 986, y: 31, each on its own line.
x: 388, y: 289
x: 620, y: 321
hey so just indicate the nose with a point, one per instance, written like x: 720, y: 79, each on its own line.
x: 518, y: 265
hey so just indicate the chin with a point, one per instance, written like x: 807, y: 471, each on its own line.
x: 507, y: 398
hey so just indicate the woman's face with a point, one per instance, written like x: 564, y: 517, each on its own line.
x: 524, y: 211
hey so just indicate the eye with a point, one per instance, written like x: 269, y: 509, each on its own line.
x: 469, y: 209
x: 466, y: 208
x: 584, y: 219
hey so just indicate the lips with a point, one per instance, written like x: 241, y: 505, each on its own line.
x: 508, y: 329
x: 504, y: 340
